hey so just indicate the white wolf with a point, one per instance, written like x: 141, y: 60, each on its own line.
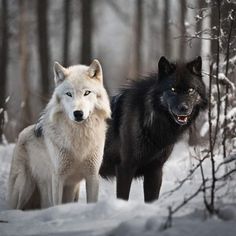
x: 46, y: 170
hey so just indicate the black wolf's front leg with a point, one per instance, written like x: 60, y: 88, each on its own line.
x: 124, y: 176
x: 153, y: 175
x: 152, y: 184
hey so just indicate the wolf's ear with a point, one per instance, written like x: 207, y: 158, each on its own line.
x: 195, y: 66
x: 95, y: 70
x: 165, y: 67
x: 59, y: 73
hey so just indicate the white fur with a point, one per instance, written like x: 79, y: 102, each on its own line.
x: 68, y: 151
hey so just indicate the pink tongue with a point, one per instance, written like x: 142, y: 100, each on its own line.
x: 183, y: 118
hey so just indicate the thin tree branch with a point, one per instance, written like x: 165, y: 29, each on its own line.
x: 181, y: 182
x: 225, y: 175
x: 204, y: 180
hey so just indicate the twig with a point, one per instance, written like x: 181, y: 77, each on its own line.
x: 3, y: 221
x: 204, y: 180
x: 168, y: 222
x: 181, y: 182
x: 226, y: 175
x: 225, y: 162
x: 190, y: 37
x: 186, y: 200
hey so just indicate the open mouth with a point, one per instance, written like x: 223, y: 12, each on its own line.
x: 181, y: 119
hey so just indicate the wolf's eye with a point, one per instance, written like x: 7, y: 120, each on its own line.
x: 87, y: 92
x: 69, y: 94
x: 173, y: 89
x: 191, y: 90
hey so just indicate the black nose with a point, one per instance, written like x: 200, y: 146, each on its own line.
x: 183, y: 107
x: 78, y: 115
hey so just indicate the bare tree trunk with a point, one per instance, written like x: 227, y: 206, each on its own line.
x: 66, y: 33
x: 24, y: 62
x: 86, y: 34
x: 194, y: 136
x: 43, y: 48
x: 138, y: 37
x: 166, y: 29
x: 201, y: 4
x: 153, y: 13
x: 224, y: 141
x: 182, y: 46
x: 136, y: 58
x: 3, y: 62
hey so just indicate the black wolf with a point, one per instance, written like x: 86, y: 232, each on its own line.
x: 148, y: 117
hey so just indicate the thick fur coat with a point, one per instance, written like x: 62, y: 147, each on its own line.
x: 46, y: 169
x: 148, y: 117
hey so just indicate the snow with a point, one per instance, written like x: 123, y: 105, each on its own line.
x: 116, y: 217
x: 204, y: 129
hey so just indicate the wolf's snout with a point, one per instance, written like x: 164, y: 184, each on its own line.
x: 78, y: 115
x: 183, y: 107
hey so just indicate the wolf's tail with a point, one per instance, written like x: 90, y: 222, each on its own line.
x: 21, y: 183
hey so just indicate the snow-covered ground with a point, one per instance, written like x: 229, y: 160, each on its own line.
x: 116, y: 217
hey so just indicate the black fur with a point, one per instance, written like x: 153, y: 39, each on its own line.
x: 148, y: 118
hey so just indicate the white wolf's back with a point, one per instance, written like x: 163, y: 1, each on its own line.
x: 28, y: 153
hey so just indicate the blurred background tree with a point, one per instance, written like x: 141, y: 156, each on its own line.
x: 43, y: 48
x: 3, y: 63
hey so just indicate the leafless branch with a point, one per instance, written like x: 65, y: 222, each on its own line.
x: 225, y: 162
x: 3, y: 221
x: 188, y: 199
x: 204, y: 180
x: 226, y: 175
x: 181, y: 182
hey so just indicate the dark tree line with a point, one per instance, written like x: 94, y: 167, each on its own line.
x: 24, y: 62
x: 160, y: 24
x: 86, y: 34
x: 66, y: 33
x: 43, y: 49
x: 42, y: 10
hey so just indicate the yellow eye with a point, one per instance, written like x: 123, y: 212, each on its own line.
x: 87, y: 92
x: 173, y: 89
x: 191, y: 90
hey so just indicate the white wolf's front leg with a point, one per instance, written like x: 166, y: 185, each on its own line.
x: 92, y: 187
x: 57, y: 179
x: 57, y: 189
